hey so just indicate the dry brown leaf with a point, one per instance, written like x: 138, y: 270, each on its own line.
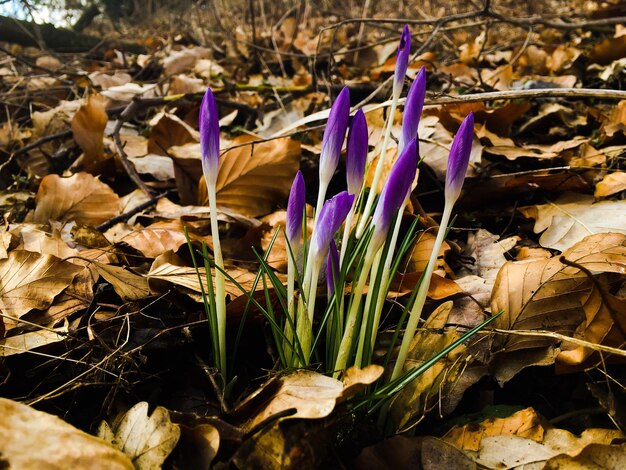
x: 88, y: 126
x: 611, y: 184
x: 608, y: 50
x: 31, y: 439
x: 311, y: 394
x: 81, y: 198
x: 355, y: 379
x: 169, y: 130
x: 158, y: 238
x: 545, y: 294
x: 31, y: 281
x: 573, y: 217
x: 127, y: 285
x: 26, y: 341
x: 78, y: 296
x: 253, y: 178
x: 442, y: 384
x: 146, y: 439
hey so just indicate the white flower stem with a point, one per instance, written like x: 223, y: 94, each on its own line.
x: 420, y: 299
x: 348, y: 335
x: 220, y: 288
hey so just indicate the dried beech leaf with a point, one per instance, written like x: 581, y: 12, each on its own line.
x: 146, y: 439
x: 88, y: 126
x: 127, y: 285
x: 26, y: 341
x: 611, y: 184
x: 546, y: 294
x: 30, y: 280
x: 253, y: 178
x: 572, y: 217
x: 310, y: 394
x: 81, y: 198
x: 31, y: 439
x: 157, y: 238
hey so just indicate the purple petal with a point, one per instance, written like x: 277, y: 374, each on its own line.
x: 209, y: 123
x: 459, y: 159
x: 394, y: 192
x: 332, y: 268
x: 334, y: 135
x: 295, y: 210
x: 402, y: 57
x: 331, y: 217
x: 357, y: 152
x: 413, y: 109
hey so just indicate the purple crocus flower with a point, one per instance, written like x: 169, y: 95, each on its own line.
x: 295, y: 210
x: 209, y: 123
x: 357, y: 152
x: 402, y: 58
x: 331, y: 217
x: 459, y: 159
x: 394, y: 193
x: 413, y: 109
x: 334, y: 135
x: 332, y: 268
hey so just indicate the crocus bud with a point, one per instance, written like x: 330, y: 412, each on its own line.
x: 413, y: 109
x: 402, y: 60
x: 295, y: 210
x: 459, y: 159
x: 331, y: 217
x: 394, y: 193
x: 209, y: 123
x: 334, y: 134
x: 332, y: 268
x: 357, y: 152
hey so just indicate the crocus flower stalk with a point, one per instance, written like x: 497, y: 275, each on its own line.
x: 393, y: 194
x: 356, y: 157
x: 402, y: 63
x: 334, y: 321
x: 334, y: 135
x: 210, y: 153
x: 385, y: 265
x: 413, y: 109
x: 293, y: 235
x: 331, y: 217
x: 455, y: 175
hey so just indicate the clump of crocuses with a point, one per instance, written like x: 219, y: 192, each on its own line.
x: 361, y: 254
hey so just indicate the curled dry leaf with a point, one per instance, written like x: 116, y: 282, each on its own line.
x: 146, y: 439
x: 24, y: 342
x: 81, y: 198
x: 546, y: 294
x: 356, y: 379
x: 572, y: 217
x: 310, y: 394
x: 33, y: 439
x: 31, y: 281
x: 611, y: 184
x: 158, y: 238
x: 88, y: 126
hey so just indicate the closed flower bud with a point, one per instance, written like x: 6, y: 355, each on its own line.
x: 209, y: 123
x: 295, y: 210
x: 459, y: 159
x: 357, y: 153
x: 331, y: 217
x: 413, y: 109
x: 334, y: 135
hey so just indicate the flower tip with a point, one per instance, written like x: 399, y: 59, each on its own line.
x: 402, y: 59
x: 356, y: 156
x: 334, y: 135
x: 209, y: 126
x: 295, y: 209
x: 458, y: 160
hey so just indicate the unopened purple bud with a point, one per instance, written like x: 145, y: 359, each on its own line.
x: 459, y: 159
x: 413, y: 109
x: 331, y: 217
x: 332, y: 268
x: 357, y: 152
x: 334, y: 134
x: 402, y: 59
x: 209, y: 123
x: 295, y: 210
x: 394, y: 193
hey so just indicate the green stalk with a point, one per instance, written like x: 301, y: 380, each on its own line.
x: 349, y: 332
x: 420, y: 299
x: 220, y: 288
